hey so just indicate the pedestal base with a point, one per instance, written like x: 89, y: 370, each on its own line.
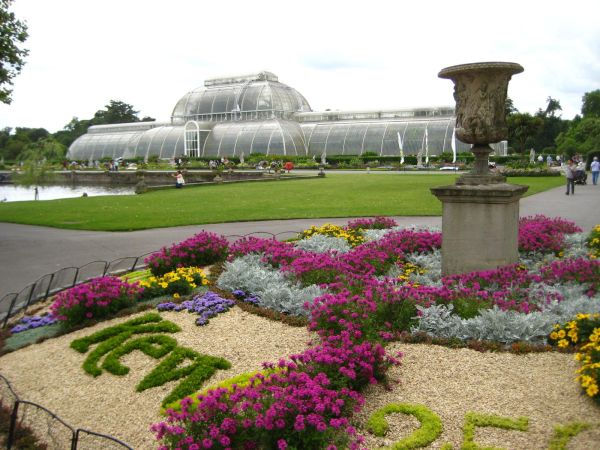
x: 480, y: 226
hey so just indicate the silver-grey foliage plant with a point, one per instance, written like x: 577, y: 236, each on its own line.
x: 319, y: 243
x: 249, y: 274
x: 504, y: 326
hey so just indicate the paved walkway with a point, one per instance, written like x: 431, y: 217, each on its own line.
x: 29, y: 252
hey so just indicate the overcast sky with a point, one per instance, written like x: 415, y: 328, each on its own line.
x: 338, y: 54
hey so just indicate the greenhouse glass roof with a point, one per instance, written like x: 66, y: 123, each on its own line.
x: 256, y: 113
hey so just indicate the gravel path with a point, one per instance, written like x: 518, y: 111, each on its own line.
x: 449, y: 382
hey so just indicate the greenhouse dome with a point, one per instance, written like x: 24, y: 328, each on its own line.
x: 248, y: 97
x: 257, y: 114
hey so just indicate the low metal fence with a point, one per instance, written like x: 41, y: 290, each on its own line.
x: 48, y: 429
x: 19, y: 302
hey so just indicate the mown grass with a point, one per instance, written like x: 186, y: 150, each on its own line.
x: 336, y: 195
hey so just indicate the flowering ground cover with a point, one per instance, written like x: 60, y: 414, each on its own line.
x: 381, y: 285
x: 365, y: 289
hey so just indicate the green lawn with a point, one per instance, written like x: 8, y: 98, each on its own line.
x: 336, y: 195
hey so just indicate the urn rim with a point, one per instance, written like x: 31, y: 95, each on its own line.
x: 510, y: 67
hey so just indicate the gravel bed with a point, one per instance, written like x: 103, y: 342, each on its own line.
x: 51, y: 373
x: 450, y: 382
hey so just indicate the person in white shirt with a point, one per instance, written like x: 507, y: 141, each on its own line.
x: 595, y: 168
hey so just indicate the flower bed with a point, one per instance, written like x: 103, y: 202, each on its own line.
x: 97, y: 299
x: 201, y: 249
x: 383, y: 285
x: 374, y: 293
x: 181, y: 281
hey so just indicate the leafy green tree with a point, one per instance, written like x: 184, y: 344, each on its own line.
x: 552, y: 126
x: 552, y: 106
x: 4, y: 136
x: 116, y: 112
x: 591, y: 104
x: 35, y: 171
x: 509, y: 107
x: 13, y: 33
x: 522, y: 129
x: 48, y: 149
x: 72, y: 131
x: 14, y: 145
x: 33, y: 134
x: 583, y: 136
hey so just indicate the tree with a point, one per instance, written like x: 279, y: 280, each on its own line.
x: 72, y: 131
x: 116, y: 112
x: 552, y: 106
x: 33, y: 134
x: 591, y: 104
x: 522, y: 129
x: 13, y: 32
x: 35, y: 171
x: 552, y: 126
x: 583, y: 136
x: 48, y: 149
x: 509, y: 107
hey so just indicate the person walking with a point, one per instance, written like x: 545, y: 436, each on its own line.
x: 595, y: 168
x: 569, y: 170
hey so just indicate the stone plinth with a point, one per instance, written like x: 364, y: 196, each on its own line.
x: 480, y: 226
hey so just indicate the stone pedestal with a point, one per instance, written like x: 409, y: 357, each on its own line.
x: 480, y: 226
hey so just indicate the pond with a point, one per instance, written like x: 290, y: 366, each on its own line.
x: 13, y: 193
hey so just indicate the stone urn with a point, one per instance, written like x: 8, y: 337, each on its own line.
x: 480, y: 92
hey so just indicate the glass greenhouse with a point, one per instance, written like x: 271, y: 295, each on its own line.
x: 258, y: 114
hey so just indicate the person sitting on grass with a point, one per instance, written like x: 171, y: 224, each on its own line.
x: 179, y: 181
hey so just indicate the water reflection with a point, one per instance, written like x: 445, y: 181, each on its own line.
x: 12, y: 193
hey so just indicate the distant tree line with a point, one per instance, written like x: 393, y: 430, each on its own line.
x: 23, y: 143
x: 546, y: 132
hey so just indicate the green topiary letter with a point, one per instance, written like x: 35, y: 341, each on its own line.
x: 430, y: 429
x: 473, y: 420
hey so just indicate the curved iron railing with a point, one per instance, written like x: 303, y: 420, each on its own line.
x: 16, y: 302
x: 47, y: 427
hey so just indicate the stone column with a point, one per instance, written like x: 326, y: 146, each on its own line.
x: 480, y: 220
x: 480, y: 226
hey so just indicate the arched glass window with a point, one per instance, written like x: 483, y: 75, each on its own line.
x: 192, y: 139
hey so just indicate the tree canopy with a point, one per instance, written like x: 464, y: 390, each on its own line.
x: 591, y: 104
x: 13, y: 34
x: 115, y: 112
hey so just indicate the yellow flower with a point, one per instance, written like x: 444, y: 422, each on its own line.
x: 561, y: 334
x: 592, y: 390
x: 175, y: 295
x: 554, y: 335
x: 563, y: 343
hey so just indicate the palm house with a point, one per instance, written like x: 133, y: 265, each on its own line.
x: 234, y: 116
